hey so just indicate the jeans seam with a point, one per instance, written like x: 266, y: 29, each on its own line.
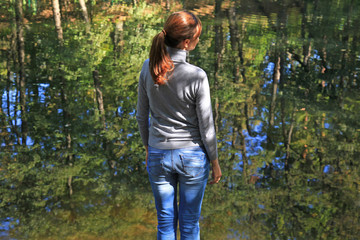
x: 172, y: 161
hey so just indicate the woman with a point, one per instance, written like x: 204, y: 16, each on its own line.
x: 180, y: 140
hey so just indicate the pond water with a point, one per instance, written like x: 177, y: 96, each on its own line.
x: 284, y: 78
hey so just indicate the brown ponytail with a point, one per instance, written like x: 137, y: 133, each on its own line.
x: 178, y: 27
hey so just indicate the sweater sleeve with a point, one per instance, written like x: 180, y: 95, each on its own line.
x: 205, y: 118
x: 142, y: 113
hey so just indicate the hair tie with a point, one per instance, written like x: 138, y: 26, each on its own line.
x: 164, y: 32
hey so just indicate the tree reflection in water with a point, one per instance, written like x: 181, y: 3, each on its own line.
x: 284, y: 77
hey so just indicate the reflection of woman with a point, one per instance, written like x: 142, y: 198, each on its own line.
x: 180, y: 141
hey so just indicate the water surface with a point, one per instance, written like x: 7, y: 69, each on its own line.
x: 284, y: 79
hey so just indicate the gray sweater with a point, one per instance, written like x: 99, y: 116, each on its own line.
x: 181, y: 113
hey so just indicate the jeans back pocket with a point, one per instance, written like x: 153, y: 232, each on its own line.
x: 155, y: 163
x: 194, y: 164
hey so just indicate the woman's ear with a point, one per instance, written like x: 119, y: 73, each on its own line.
x: 186, y: 43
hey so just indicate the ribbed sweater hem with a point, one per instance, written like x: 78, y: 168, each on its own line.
x: 174, y: 144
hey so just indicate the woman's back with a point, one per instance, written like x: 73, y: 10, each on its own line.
x: 178, y: 106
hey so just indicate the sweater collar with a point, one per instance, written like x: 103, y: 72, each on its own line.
x: 177, y: 54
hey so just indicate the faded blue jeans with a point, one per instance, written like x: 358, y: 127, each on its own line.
x: 187, y: 168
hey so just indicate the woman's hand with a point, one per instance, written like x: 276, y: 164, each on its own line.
x: 147, y: 155
x: 216, y: 171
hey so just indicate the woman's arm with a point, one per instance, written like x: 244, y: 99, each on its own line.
x: 205, y: 117
x: 216, y: 171
x: 142, y: 111
x: 207, y: 128
x: 147, y: 155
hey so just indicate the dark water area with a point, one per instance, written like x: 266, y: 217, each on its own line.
x: 284, y: 79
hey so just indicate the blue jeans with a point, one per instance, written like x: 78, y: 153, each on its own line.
x: 187, y: 168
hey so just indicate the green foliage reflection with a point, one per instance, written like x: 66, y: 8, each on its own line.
x: 285, y: 82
